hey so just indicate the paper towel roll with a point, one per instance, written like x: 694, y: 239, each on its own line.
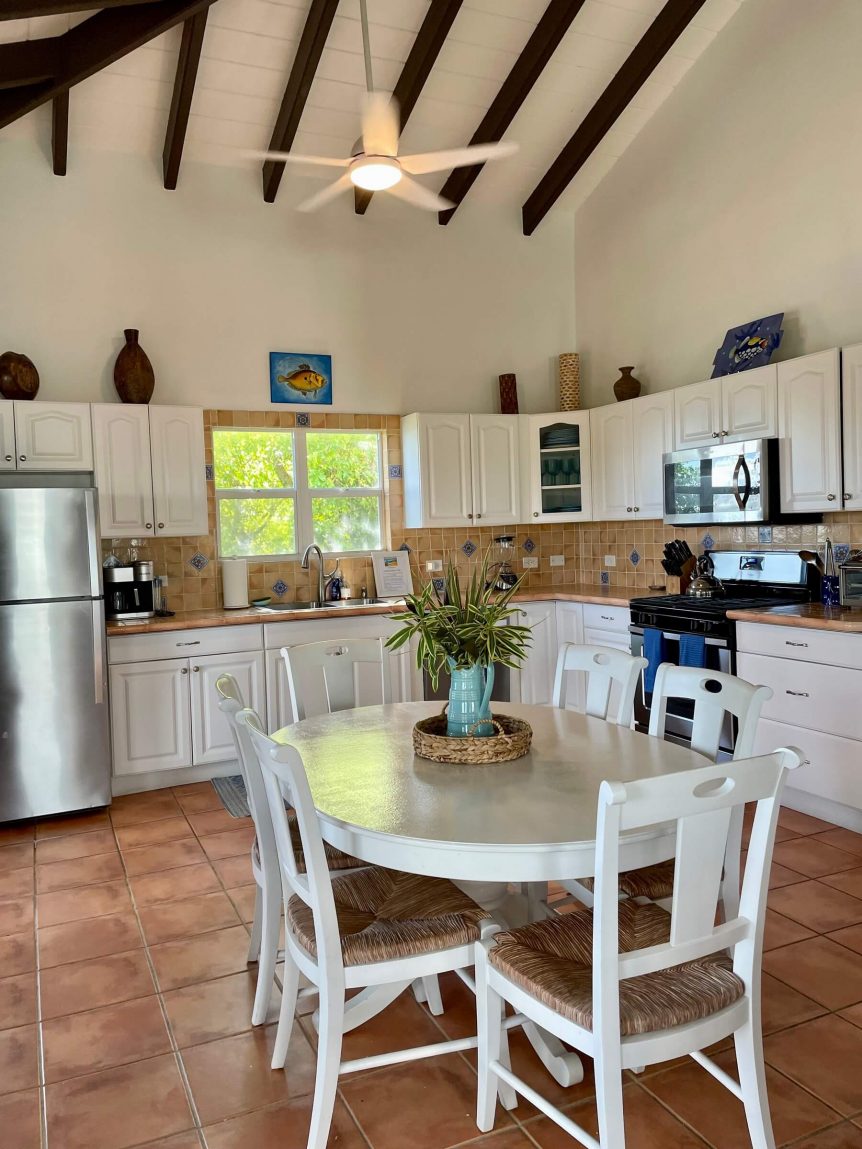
x: 234, y: 583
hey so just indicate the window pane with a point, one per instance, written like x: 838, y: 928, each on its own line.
x: 348, y: 524
x: 253, y: 460
x: 347, y: 460
x: 257, y: 527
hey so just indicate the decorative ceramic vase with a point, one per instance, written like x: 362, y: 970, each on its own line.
x: 19, y: 378
x: 469, y: 701
x: 570, y: 381
x: 627, y: 387
x: 133, y: 372
x: 508, y: 395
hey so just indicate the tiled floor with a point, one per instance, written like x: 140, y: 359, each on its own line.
x: 125, y: 1003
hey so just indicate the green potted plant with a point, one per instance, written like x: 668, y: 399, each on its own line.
x: 465, y: 630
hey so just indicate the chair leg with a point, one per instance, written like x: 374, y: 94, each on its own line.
x: 254, y: 942
x: 330, y: 1033
x: 489, y: 1017
x: 752, y: 1081
x: 289, y: 991
x: 609, y: 1103
x: 419, y: 991
x: 270, y: 926
x: 431, y: 989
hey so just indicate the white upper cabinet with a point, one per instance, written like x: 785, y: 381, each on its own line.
x: 7, y: 437
x: 179, y: 475
x: 121, y: 446
x: 628, y: 441
x: 809, y: 430
x: 697, y: 414
x: 851, y: 396
x: 555, y: 467
x: 53, y: 436
x: 652, y: 438
x: 496, y: 474
x: 749, y: 404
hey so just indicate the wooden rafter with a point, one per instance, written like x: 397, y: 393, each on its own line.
x: 555, y: 22
x: 417, y: 67
x: 674, y: 17
x: 93, y: 45
x: 317, y: 25
x: 26, y: 9
x: 60, y: 133
x: 181, y: 103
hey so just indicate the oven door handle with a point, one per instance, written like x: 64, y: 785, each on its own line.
x: 675, y: 635
x: 741, y: 497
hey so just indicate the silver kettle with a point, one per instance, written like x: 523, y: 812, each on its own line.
x: 705, y: 584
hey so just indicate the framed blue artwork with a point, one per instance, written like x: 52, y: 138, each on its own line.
x: 750, y: 345
x: 300, y: 378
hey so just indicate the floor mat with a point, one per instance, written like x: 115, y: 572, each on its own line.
x: 233, y: 796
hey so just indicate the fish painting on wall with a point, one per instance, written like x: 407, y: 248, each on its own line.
x: 300, y: 378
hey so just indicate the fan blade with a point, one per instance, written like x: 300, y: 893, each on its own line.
x: 296, y: 158
x: 328, y: 193
x: 456, y: 158
x: 381, y: 125
x: 418, y: 195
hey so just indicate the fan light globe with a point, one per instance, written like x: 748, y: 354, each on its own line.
x: 375, y: 173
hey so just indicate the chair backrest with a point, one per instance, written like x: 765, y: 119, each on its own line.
x: 323, y: 677
x: 714, y: 695
x: 702, y: 803
x: 604, y: 667
x: 284, y: 776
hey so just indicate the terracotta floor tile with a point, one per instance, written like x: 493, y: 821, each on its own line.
x: 202, y: 958
x: 213, y: 1009
x: 781, y: 931
x: 132, y: 809
x: 849, y: 881
x: 167, y: 856
x: 648, y: 1125
x: 16, y: 916
x: 783, y: 876
x: 285, y: 1126
x: 102, y: 1038
x: 13, y: 832
x: 842, y: 839
x: 816, y: 905
x: 854, y: 1014
x: 851, y: 937
x: 17, y: 953
x: 401, y: 1025
x: 196, y: 801
x: 228, y: 845
x: 118, y: 1107
x: 88, y: 939
x: 85, y: 902
x: 188, y: 1140
x: 243, y: 899
x: 18, y: 1065
x: 824, y: 1056
x: 19, y: 1120
x: 782, y: 1006
x: 152, y: 833
x: 216, y: 822
x: 812, y: 858
x: 17, y: 1000
x: 151, y: 889
x: 76, y: 846
x: 802, y: 823
x: 16, y: 884
x: 78, y: 872
x: 64, y: 824
x: 16, y: 857
x: 233, y: 1076
x: 95, y: 982
x: 235, y: 871
x: 843, y: 1136
x: 821, y: 969
x: 507, y: 1139
x: 187, y: 917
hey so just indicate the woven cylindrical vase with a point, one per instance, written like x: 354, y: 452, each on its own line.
x: 570, y: 381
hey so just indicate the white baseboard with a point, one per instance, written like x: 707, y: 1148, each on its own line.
x: 847, y: 816
x: 162, y: 779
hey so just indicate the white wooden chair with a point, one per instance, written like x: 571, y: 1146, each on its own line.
x: 342, y: 933
x: 323, y: 677
x: 630, y: 985
x: 605, y: 668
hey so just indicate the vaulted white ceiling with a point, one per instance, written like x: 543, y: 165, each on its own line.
x: 250, y: 45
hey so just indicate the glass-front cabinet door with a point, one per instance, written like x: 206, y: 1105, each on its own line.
x: 556, y: 450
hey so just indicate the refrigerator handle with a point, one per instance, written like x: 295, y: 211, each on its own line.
x: 93, y: 543
x: 99, y: 651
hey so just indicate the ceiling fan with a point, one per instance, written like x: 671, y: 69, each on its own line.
x: 375, y: 164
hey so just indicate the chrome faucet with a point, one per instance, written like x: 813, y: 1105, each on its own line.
x: 306, y: 565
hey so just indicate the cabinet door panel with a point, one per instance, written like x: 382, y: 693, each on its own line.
x: 7, y: 437
x: 556, y: 482
x: 749, y: 404
x: 537, y: 671
x: 495, y: 462
x: 570, y: 628
x: 53, y: 436
x: 851, y: 394
x: 179, y: 476
x: 652, y: 437
x: 611, y: 441
x: 121, y: 451
x: 809, y: 429
x: 150, y: 716
x: 212, y: 740
x: 445, y: 462
x: 697, y: 414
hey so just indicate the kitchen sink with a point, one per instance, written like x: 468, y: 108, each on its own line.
x: 344, y: 604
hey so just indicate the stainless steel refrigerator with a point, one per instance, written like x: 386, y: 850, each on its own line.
x: 54, y: 733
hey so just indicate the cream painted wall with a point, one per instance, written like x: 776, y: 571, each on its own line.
x: 741, y: 197
x: 417, y: 317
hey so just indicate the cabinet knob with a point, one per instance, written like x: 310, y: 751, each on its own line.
x: 630, y: 509
x: 830, y: 498
x: 635, y: 509
x: 8, y: 458
x: 161, y: 526
x: 535, y: 514
x: 184, y: 670
x: 149, y: 526
x: 23, y: 458
x: 470, y: 515
x: 478, y: 516
x: 725, y: 433
x: 847, y: 496
x: 196, y: 669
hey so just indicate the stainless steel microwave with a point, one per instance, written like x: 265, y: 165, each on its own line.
x: 850, y: 584
x: 725, y: 483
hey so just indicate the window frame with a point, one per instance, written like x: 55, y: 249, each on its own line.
x: 302, y: 495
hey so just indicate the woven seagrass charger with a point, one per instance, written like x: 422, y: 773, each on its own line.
x: 512, y: 740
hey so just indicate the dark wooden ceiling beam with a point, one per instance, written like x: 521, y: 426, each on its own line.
x: 181, y: 103
x: 417, y: 67
x: 555, y: 22
x: 93, y: 45
x: 661, y: 35
x: 29, y: 62
x: 311, y: 44
x: 60, y: 133
x: 26, y: 9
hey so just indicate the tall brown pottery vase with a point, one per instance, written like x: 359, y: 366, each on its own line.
x: 627, y: 387
x: 19, y: 378
x: 133, y: 372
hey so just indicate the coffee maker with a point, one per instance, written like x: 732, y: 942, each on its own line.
x: 131, y: 592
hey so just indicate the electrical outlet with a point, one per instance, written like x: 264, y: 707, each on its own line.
x: 530, y: 564
x: 164, y: 581
x: 558, y: 560
x: 434, y: 565
x: 610, y: 560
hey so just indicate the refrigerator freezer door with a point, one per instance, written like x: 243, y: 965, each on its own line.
x: 49, y: 546
x: 54, y: 735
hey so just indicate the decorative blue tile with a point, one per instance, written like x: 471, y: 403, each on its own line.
x: 842, y: 552
x: 198, y: 561
x: 279, y: 587
x: 395, y: 471
x: 210, y: 472
x: 708, y: 542
x: 764, y: 534
x: 439, y: 585
x: 605, y: 578
x: 405, y: 547
x: 469, y: 548
x: 529, y: 546
x: 634, y: 558
x: 303, y: 419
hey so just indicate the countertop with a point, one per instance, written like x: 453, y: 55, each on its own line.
x: 218, y: 616
x: 811, y: 615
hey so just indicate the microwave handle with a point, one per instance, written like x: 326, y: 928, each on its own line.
x: 741, y: 497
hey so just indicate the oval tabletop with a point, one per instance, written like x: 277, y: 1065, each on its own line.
x: 528, y: 820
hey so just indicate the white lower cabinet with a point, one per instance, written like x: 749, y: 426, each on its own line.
x: 151, y: 717
x: 534, y: 682
x: 212, y: 740
x: 570, y: 628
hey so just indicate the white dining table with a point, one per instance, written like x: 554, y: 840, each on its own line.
x: 484, y: 827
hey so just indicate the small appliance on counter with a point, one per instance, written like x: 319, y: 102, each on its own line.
x: 850, y: 581
x: 500, y: 571
x: 131, y: 592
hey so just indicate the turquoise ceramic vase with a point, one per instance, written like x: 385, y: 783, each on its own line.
x: 470, y: 701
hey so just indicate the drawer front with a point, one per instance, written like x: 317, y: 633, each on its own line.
x: 798, y: 642
x: 606, y: 617
x: 182, y: 643
x: 619, y: 640
x: 822, y: 698
x: 834, y: 769
x: 279, y: 634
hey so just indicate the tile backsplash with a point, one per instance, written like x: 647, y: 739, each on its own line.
x: 191, y: 564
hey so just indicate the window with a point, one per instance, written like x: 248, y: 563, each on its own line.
x: 278, y: 491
